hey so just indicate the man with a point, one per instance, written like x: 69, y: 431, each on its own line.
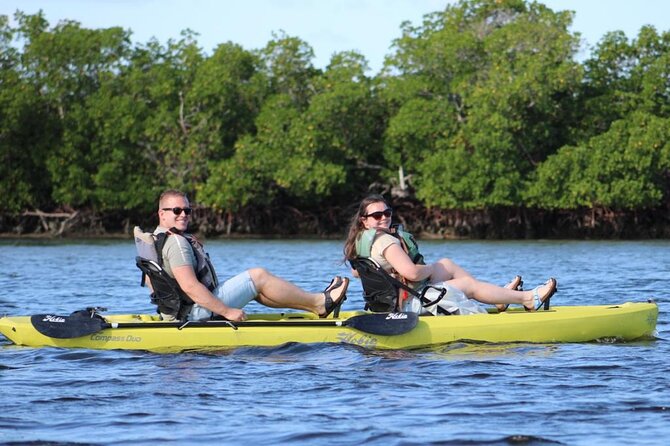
x: 182, y: 255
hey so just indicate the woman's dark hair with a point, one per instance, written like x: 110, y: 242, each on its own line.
x: 356, y: 224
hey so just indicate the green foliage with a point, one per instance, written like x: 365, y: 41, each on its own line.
x: 165, y: 75
x: 287, y: 63
x: 336, y: 136
x: 482, y: 105
x: 67, y: 65
x: 303, y: 152
x: 17, y: 107
x: 25, y: 129
x: 240, y: 180
x: 418, y: 125
x: 227, y: 93
x: 484, y: 95
x: 625, y: 168
x: 623, y: 77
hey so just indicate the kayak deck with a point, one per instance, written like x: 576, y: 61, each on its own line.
x: 625, y: 322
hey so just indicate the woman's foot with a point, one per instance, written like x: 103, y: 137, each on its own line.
x: 515, y: 284
x: 540, y: 296
x: 334, y: 295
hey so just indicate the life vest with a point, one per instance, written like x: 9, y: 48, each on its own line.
x: 366, y: 238
x: 380, y: 299
x: 167, y: 295
x: 204, y: 270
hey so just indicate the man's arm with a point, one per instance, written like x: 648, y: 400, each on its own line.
x: 188, y: 282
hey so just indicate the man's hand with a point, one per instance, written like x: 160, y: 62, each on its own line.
x: 234, y: 314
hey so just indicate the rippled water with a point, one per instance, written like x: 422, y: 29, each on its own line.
x: 573, y: 394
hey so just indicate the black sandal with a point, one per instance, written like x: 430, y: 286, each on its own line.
x: 330, y: 305
x: 515, y: 284
x: 543, y: 301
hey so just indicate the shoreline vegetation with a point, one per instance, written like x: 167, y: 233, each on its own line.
x: 483, y: 123
x: 287, y: 222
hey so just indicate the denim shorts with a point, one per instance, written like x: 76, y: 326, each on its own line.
x: 235, y: 292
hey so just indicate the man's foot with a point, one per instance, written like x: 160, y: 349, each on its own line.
x: 334, y: 295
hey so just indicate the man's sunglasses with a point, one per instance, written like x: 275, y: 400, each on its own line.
x: 178, y: 211
x: 379, y: 214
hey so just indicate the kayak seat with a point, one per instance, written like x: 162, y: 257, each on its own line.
x: 382, y: 291
x: 166, y: 294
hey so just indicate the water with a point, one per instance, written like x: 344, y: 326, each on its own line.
x: 573, y: 394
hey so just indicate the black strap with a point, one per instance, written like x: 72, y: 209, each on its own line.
x: 161, y: 238
x: 167, y: 295
x: 363, y: 264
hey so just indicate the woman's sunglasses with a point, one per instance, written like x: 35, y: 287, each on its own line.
x: 178, y: 211
x: 379, y: 214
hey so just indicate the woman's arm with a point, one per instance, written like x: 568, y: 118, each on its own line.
x: 401, y: 262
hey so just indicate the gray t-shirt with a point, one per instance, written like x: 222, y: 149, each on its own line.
x: 177, y: 252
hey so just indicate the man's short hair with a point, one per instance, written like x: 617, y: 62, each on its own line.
x: 170, y: 193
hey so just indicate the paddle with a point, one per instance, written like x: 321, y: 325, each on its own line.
x: 80, y: 324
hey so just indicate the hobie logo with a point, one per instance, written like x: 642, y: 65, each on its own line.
x: 396, y: 316
x: 50, y: 318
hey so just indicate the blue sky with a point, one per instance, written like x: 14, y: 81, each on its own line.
x: 368, y: 26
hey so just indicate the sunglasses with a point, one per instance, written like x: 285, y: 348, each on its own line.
x: 379, y: 214
x: 178, y: 211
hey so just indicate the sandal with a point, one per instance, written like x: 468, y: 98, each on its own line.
x: 332, y: 306
x: 539, y: 302
x: 515, y: 284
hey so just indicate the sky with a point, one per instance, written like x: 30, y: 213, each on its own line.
x: 328, y: 26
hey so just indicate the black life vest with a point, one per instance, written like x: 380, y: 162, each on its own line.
x: 169, y: 298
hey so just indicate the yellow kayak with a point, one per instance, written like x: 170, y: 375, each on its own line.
x: 625, y: 322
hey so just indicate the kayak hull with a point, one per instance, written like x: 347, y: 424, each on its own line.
x: 623, y: 322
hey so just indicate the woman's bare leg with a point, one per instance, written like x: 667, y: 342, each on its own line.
x: 492, y: 294
x: 447, y: 269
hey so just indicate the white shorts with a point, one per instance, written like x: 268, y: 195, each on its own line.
x: 454, y: 302
x: 235, y: 292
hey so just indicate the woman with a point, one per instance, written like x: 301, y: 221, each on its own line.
x: 388, y: 251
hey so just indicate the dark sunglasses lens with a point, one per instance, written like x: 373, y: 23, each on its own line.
x: 379, y: 214
x: 178, y: 211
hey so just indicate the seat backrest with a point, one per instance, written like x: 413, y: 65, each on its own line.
x: 381, y: 291
x: 166, y: 294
